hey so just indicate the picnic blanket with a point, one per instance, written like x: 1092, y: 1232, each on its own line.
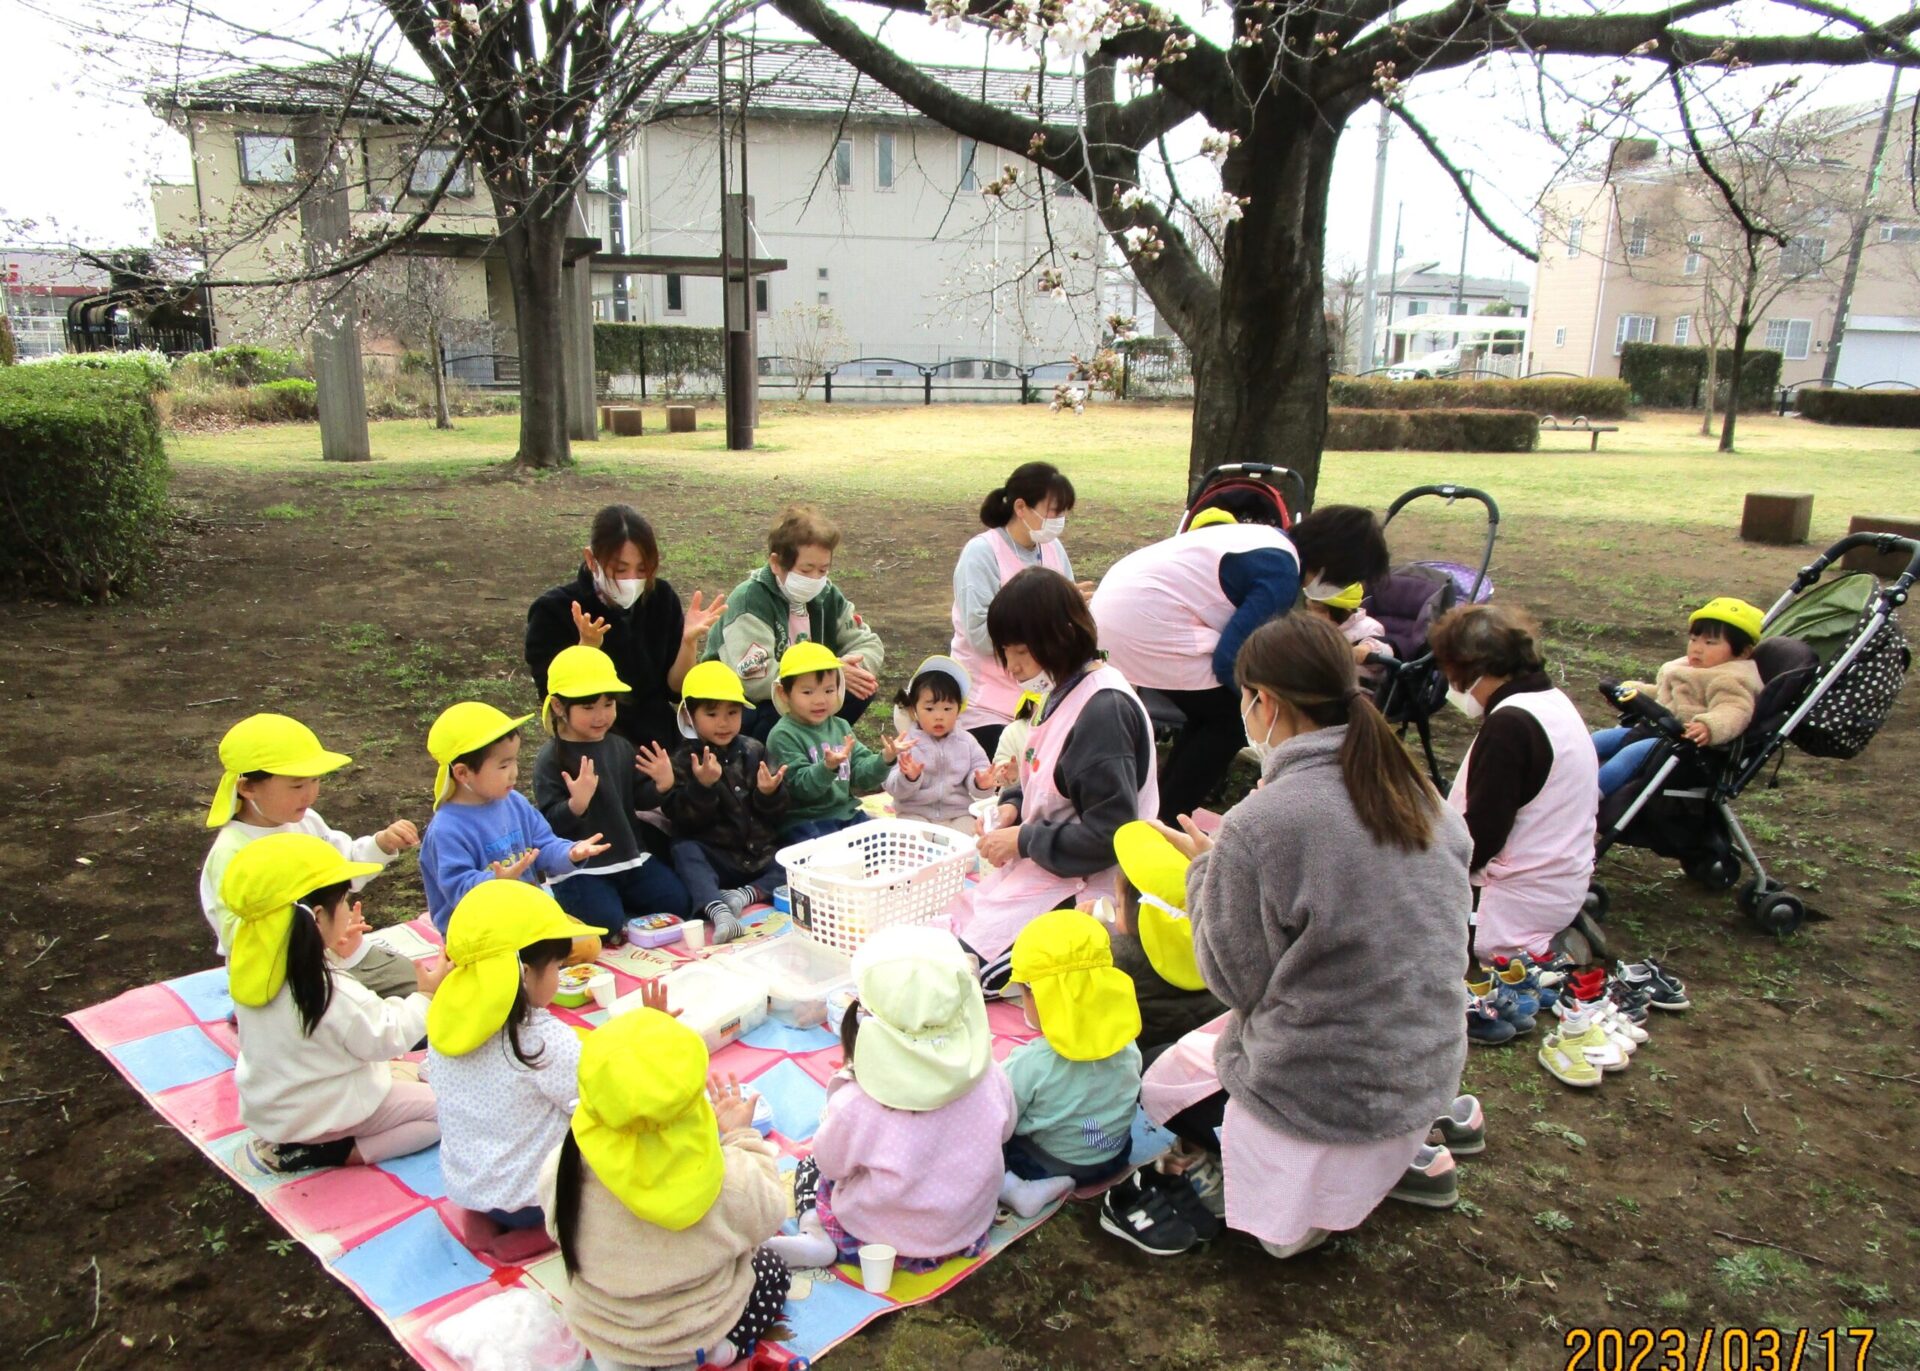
x: 388, y: 1231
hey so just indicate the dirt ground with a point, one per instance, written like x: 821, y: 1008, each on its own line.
x: 1757, y: 1166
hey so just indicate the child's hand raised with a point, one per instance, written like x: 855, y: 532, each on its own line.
x: 427, y: 975
x: 515, y: 869
x: 706, y: 767
x: 581, y: 786
x: 833, y: 758
x: 348, y: 940
x: 397, y: 837
x: 656, y: 764
x: 653, y: 995
x: 911, y: 766
x: 592, y: 630
x: 1004, y: 775
x: 731, y: 1109
x: 1187, y: 840
x: 770, y: 780
x: 986, y: 778
x: 893, y: 749
x: 587, y: 849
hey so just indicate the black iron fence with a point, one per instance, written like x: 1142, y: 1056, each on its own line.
x: 1789, y: 394
x: 123, y: 337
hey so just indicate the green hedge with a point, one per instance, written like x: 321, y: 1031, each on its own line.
x: 1869, y: 408
x: 1432, y: 430
x: 83, y: 487
x: 277, y: 402
x: 1562, y: 395
x: 150, y: 369
x: 239, y: 365
x: 1666, y: 377
x: 661, y: 350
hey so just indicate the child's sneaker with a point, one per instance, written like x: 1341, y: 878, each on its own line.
x: 1146, y: 1219
x: 1209, y: 1182
x: 1583, y: 1033
x: 262, y: 1158
x: 1662, y: 991
x: 1485, y: 1028
x: 1462, y: 1130
x: 1517, y: 976
x: 1431, y: 1181
x: 1551, y: 970
x: 1184, y: 1196
x: 1568, y: 1065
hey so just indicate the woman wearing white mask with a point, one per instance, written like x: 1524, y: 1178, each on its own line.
x: 791, y: 600
x: 618, y: 604
x: 1088, y: 768
x: 1024, y: 520
x: 1529, y: 787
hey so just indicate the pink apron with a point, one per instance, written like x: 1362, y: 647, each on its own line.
x: 994, y: 692
x: 1010, y: 897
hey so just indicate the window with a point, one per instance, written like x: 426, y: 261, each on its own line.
x: 1790, y: 337
x: 969, y: 154
x: 676, y: 294
x: 266, y: 159
x: 843, y: 162
x: 1691, y: 267
x: 1900, y: 233
x: 760, y: 295
x: 821, y: 298
x: 883, y: 160
x: 1416, y: 307
x: 1682, y: 330
x: 1575, y: 226
x: 431, y: 165
x: 1637, y: 236
x: 1456, y: 307
x: 1559, y: 337
x: 1632, y: 328
x: 1802, y: 256
x: 823, y: 273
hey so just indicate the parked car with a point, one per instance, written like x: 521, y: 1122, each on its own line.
x: 1427, y: 367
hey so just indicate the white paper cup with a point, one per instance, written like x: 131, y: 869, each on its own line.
x: 876, y: 1267
x: 601, y: 987
x: 694, y: 933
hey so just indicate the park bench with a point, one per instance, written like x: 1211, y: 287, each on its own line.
x: 1549, y: 424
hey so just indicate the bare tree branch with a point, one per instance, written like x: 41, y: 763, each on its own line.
x: 1460, y: 182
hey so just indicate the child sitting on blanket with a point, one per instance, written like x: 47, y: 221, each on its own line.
x: 505, y: 1070
x: 660, y: 1196
x: 1077, y: 1086
x: 824, y: 762
x: 482, y: 828
x: 584, y: 782
x: 723, y: 801
x: 946, y: 769
x: 908, y: 1152
x: 271, y: 778
x: 315, y: 1079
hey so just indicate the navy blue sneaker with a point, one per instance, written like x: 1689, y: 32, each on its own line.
x: 1485, y: 1027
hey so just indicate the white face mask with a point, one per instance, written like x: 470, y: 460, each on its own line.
x: 619, y: 593
x: 1317, y: 589
x: 1049, y: 530
x: 802, y: 589
x: 1260, y: 745
x: 1463, y: 700
x: 1037, y: 684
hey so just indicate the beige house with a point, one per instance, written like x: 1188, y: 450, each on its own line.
x: 1642, y: 254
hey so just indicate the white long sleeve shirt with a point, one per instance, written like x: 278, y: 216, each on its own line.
x: 499, y: 1118
x: 235, y: 835
x: 296, y: 1087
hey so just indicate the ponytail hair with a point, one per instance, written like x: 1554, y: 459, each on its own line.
x: 566, y: 1201
x: 535, y: 957
x: 307, y: 974
x: 1308, y: 663
x: 1034, y: 482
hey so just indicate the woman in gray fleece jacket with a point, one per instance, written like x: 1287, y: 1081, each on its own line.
x: 1344, y: 861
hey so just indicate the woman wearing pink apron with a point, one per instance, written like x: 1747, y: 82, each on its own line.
x: 1088, y: 769
x: 1024, y: 520
x: 1529, y: 787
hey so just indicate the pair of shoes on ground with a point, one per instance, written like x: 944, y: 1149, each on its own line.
x: 1593, y: 1039
x: 1660, y: 989
x: 1432, y: 1180
x: 1496, y: 1013
x: 1160, y: 1214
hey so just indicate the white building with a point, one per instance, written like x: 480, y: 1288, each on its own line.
x: 1425, y: 289
x: 36, y: 287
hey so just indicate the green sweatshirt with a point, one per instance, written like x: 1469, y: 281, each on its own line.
x: 816, y: 792
x: 753, y: 635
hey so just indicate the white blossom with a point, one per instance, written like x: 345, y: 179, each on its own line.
x: 1132, y: 198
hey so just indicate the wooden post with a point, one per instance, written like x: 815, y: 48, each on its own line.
x: 627, y: 421
x: 680, y: 419
x: 325, y: 225
x: 1777, y: 517
x: 1885, y: 565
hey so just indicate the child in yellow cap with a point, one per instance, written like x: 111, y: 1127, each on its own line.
x: 271, y: 768
x: 584, y: 782
x: 723, y: 799
x: 506, y: 1071
x: 1713, y: 690
x: 1076, y: 1087
x: 660, y: 1196
x: 1153, y: 937
x: 313, y: 1077
x: 1343, y: 609
x: 482, y: 828
x: 908, y: 1150
x: 826, y: 765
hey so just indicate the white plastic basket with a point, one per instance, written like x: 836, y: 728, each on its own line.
x: 884, y: 871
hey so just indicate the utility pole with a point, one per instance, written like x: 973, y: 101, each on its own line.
x: 1393, y: 285
x: 1460, y: 281
x: 1373, y: 233
x: 1861, y: 222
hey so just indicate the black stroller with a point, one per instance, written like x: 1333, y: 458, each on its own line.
x: 1410, y: 688
x: 1832, y: 661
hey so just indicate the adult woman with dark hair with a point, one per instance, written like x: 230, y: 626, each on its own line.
x: 1345, y: 849
x: 1173, y: 615
x: 1024, y: 520
x: 1088, y: 768
x: 1529, y: 786
x: 618, y: 605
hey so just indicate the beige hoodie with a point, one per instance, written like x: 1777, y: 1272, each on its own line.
x: 1721, y: 697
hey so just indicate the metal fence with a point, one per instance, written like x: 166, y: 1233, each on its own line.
x: 125, y: 337
x: 1789, y: 395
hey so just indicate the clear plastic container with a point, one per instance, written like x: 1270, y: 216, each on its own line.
x: 716, y: 1002
x: 799, y: 974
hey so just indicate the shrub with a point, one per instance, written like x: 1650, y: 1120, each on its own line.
x: 1870, y: 408
x: 1667, y: 377
x: 83, y: 487
x: 150, y: 369
x: 241, y: 364
x: 9, y: 353
x: 668, y: 353
x: 1563, y: 395
x: 277, y: 402
x: 1432, y: 430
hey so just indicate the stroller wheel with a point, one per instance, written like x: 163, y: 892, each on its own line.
x: 1752, y: 891
x: 1779, y: 913
x: 1715, y: 873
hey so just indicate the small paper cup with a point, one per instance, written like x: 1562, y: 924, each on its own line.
x: 694, y: 933
x: 876, y: 1267
x: 602, y: 990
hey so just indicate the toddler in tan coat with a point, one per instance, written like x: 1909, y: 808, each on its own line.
x: 1712, y: 690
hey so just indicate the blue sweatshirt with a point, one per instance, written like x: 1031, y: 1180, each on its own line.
x: 462, y: 842
x: 1262, y: 585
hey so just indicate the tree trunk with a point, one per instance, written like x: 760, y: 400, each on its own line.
x: 1260, y: 369
x: 442, y: 418
x: 1713, y: 378
x: 1741, y: 331
x: 534, y: 250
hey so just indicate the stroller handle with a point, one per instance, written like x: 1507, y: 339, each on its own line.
x: 1449, y: 493
x: 1294, y: 484
x: 1881, y: 542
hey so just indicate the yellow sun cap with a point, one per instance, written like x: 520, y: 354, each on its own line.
x: 1207, y: 518
x: 580, y: 673
x: 1733, y: 613
x: 649, y: 1132
x: 260, y: 886
x: 1158, y: 870
x: 489, y: 926
x: 715, y: 681
x: 461, y: 729
x: 1087, y: 1006
x: 1347, y: 597
x: 803, y: 659
x: 272, y: 743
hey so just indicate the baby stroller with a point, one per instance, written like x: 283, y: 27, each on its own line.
x: 1410, y: 688
x: 1832, y: 660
